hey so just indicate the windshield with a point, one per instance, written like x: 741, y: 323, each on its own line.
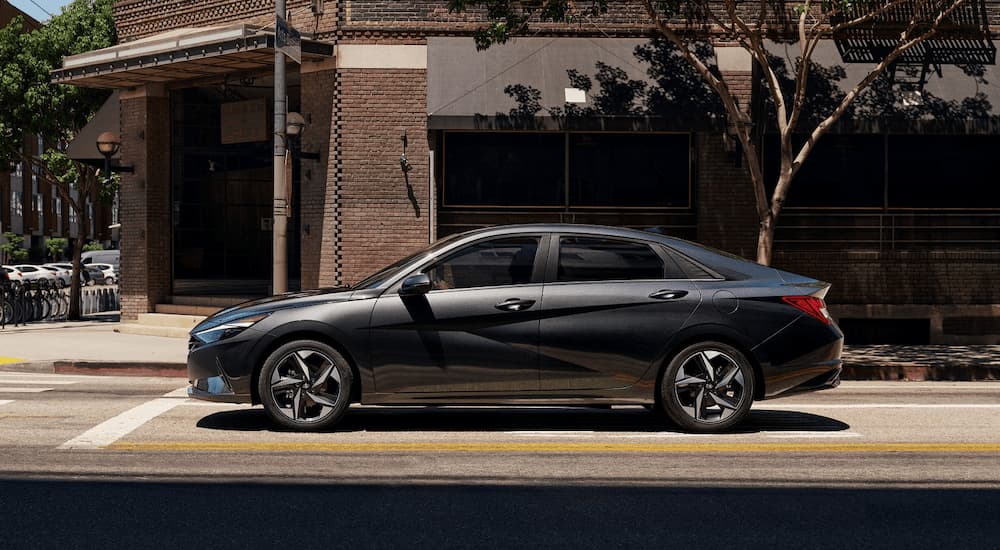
x: 392, y: 270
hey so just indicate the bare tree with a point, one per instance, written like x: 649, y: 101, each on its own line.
x: 900, y: 25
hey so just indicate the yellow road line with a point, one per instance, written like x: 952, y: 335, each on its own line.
x: 4, y: 360
x: 561, y: 447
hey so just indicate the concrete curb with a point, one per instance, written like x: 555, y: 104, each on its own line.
x: 100, y: 368
x: 918, y: 373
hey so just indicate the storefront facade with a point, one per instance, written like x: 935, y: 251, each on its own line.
x: 604, y: 126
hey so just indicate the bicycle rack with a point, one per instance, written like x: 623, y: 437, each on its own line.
x: 37, y: 301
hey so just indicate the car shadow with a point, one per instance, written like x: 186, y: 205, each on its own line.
x: 462, y: 419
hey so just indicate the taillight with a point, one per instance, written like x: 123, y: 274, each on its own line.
x: 811, y: 305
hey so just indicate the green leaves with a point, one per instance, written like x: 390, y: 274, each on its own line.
x: 32, y: 104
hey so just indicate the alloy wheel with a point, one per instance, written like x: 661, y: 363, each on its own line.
x: 306, y: 386
x: 710, y: 386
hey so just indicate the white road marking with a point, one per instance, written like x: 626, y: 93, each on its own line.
x: 118, y: 427
x: 5, y: 401
x: 799, y: 406
x: 196, y: 403
x: 30, y: 381
x: 817, y: 435
x: 179, y: 392
x: 24, y: 390
x: 939, y: 385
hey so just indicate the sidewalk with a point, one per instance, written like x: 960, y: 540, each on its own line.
x: 94, y: 347
x: 90, y: 347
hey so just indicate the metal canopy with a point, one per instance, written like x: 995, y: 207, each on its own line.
x: 964, y: 38
x: 181, y: 54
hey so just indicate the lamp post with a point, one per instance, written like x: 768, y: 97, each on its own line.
x: 108, y: 144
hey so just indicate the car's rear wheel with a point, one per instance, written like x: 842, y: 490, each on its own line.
x: 305, y: 385
x: 708, y: 387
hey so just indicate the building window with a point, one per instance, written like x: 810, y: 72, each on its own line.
x: 503, y: 169
x: 944, y: 172
x: 584, y: 170
x: 16, y: 206
x: 843, y: 171
x: 629, y: 170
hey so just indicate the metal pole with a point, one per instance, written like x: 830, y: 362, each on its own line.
x: 280, y: 222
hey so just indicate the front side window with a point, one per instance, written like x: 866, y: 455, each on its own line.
x: 497, y: 262
x: 599, y: 259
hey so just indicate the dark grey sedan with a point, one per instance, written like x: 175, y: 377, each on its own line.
x: 530, y: 315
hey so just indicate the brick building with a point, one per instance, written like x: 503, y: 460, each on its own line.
x: 29, y: 206
x: 596, y: 123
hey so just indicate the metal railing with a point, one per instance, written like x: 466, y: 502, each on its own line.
x: 888, y: 231
x: 36, y: 301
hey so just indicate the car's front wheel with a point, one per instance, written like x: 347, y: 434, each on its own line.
x: 708, y: 387
x: 305, y: 385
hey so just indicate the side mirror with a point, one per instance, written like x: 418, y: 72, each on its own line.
x: 415, y: 285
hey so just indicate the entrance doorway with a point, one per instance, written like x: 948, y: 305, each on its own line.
x: 221, y: 192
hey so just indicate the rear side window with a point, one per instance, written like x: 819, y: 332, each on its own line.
x: 600, y: 259
x: 688, y: 269
x: 498, y: 262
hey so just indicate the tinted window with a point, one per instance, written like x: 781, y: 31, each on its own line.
x: 966, y: 176
x: 844, y: 170
x: 597, y: 259
x: 498, y: 262
x: 645, y: 170
x: 503, y: 169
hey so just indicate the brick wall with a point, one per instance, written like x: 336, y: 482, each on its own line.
x: 318, y: 238
x: 383, y: 212
x: 145, y: 206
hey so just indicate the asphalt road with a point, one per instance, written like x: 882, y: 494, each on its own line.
x: 98, y: 461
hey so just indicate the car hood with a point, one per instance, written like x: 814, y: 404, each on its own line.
x: 273, y: 303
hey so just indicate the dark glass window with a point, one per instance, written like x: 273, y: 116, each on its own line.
x: 687, y: 268
x: 597, y: 259
x: 843, y: 171
x: 944, y: 171
x: 498, y: 262
x: 643, y: 170
x: 503, y: 169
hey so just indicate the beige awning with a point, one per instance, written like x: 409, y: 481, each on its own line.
x: 180, y: 54
x: 107, y: 119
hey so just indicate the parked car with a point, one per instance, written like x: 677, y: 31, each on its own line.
x: 37, y: 273
x: 85, y: 279
x: 110, y: 277
x: 12, y: 274
x: 112, y: 257
x: 530, y: 315
x: 94, y: 275
x: 63, y: 276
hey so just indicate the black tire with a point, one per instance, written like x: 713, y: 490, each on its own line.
x: 278, y: 389
x: 722, y: 405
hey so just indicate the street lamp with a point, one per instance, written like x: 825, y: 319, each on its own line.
x: 294, y: 125
x: 109, y: 145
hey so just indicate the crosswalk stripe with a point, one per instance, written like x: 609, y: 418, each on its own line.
x: 5, y: 401
x: 113, y: 429
x: 24, y: 390
x: 35, y: 381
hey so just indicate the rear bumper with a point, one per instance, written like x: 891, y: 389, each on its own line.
x: 803, y: 357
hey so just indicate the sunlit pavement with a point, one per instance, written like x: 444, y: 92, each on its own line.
x: 882, y: 457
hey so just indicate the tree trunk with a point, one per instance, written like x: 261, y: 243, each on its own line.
x: 765, y: 239
x: 74, y: 289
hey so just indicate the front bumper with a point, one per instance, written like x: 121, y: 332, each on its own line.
x: 222, y: 371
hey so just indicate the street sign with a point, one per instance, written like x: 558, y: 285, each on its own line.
x: 287, y: 39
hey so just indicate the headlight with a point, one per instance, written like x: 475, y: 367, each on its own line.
x: 229, y: 329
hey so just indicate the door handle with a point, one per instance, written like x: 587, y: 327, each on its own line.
x: 514, y: 304
x: 666, y: 294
